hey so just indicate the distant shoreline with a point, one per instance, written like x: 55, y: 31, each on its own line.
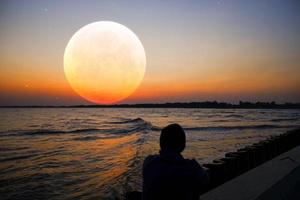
x: 207, y: 104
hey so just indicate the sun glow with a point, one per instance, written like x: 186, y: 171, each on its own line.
x: 104, y: 62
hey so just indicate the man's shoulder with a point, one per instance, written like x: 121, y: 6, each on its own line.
x: 150, y: 159
x: 193, y: 164
x: 199, y: 172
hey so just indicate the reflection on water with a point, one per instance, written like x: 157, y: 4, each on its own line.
x: 98, y: 153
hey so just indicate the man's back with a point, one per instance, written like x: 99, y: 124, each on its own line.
x: 170, y: 176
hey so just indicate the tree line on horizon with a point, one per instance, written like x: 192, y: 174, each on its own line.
x: 205, y: 104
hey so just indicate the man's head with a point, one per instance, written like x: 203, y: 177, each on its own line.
x: 172, y: 138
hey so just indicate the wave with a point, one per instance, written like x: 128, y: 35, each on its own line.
x: 235, y: 116
x: 156, y: 128
x: 20, y: 157
x: 88, y: 130
x: 126, y: 121
x: 228, y: 128
x: 138, y: 125
x: 2, y: 149
x: 226, y: 120
x: 142, y: 128
x: 87, y: 138
x: 284, y: 119
x: 49, y: 131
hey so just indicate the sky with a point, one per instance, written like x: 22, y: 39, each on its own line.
x: 225, y: 50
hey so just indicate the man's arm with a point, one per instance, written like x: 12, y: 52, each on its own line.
x: 200, y: 173
x: 201, y: 178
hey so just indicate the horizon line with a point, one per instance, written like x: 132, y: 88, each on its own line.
x: 194, y: 104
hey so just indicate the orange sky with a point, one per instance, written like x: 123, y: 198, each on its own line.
x: 194, y: 52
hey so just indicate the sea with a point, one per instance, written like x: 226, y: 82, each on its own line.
x: 97, y: 153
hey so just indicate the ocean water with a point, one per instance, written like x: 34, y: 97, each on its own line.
x: 97, y: 153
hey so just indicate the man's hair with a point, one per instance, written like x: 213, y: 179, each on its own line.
x: 172, y: 137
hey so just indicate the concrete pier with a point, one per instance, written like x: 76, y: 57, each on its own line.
x: 277, y: 179
x: 237, y: 163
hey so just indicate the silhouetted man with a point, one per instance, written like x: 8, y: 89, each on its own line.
x: 168, y: 175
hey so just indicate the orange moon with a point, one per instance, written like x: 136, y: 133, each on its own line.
x: 104, y: 62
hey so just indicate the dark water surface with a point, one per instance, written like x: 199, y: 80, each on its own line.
x: 97, y: 153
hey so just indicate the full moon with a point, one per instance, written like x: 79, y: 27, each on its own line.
x: 104, y: 62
